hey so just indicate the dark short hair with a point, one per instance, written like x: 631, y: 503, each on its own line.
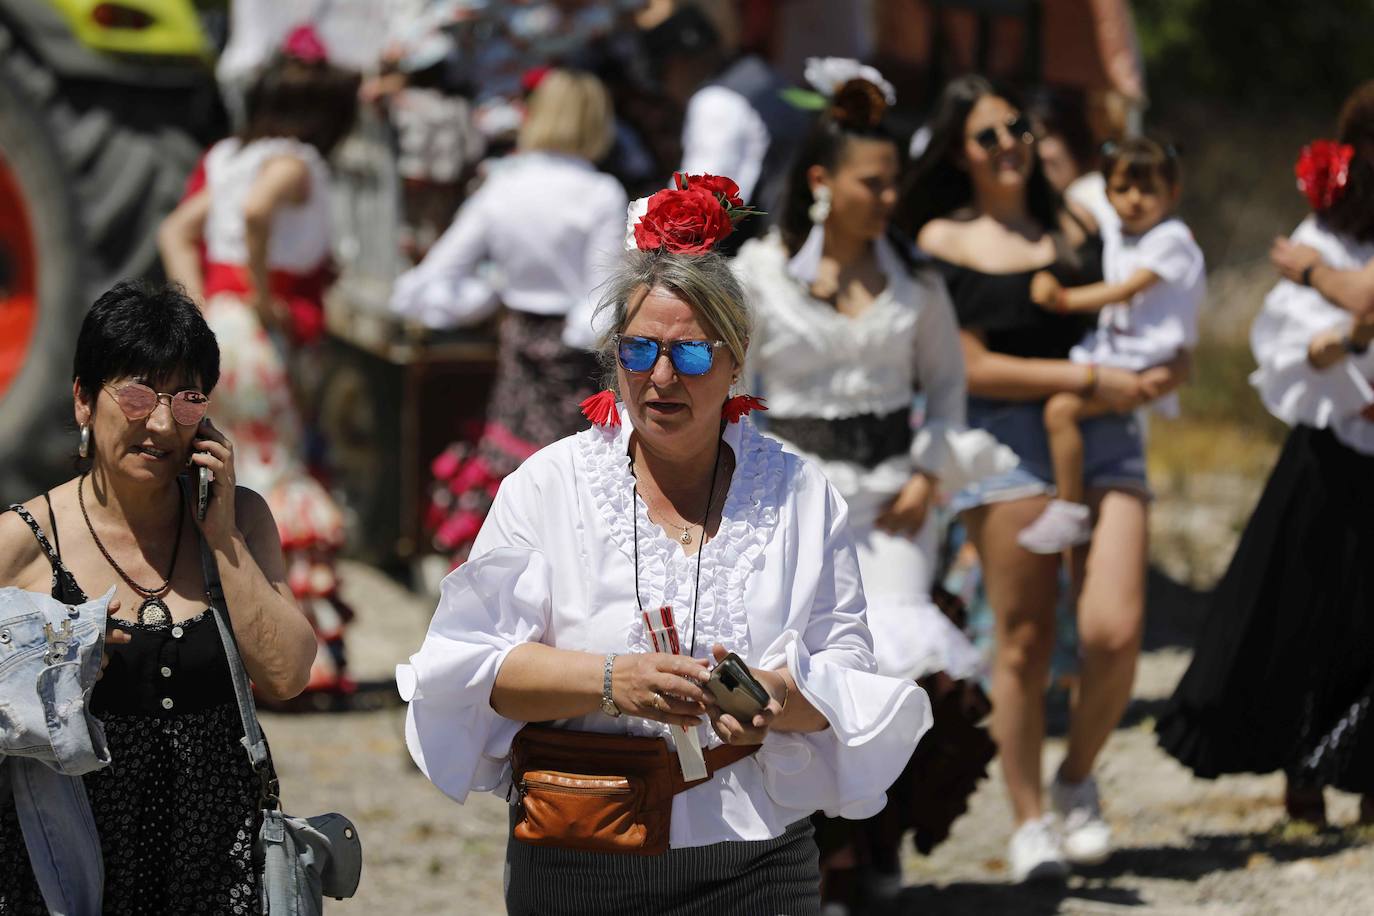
x: 148, y: 331
x: 1145, y: 161
x: 311, y: 101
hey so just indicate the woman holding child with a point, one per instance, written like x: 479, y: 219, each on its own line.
x: 979, y: 203
x: 1283, y: 674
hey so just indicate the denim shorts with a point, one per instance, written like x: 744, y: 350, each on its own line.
x: 1113, y: 453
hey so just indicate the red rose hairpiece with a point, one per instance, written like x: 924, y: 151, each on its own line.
x: 1323, y: 168
x: 690, y: 218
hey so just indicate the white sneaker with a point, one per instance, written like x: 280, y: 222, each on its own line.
x: 1086, y: 837
x: 1062, y: 525
x: 1035, y: 852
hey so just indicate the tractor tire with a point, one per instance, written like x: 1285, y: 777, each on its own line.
x: 97, y: 166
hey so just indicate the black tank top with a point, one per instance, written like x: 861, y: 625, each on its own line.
x: 165, y: 671
x: 999, y: 304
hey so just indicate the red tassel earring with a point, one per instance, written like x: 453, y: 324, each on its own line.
x: 600, y: 409
x: 740, y: 405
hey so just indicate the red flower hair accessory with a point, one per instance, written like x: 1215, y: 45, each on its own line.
x: 600, y: 409
x: 1323, y: 168
x: 690, y: 218
x: 305, y: 44
x: 740, y: 405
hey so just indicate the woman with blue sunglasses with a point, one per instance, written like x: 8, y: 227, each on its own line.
x: 847, y: 332
x: 615, y: 568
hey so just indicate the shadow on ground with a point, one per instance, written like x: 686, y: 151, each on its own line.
x: 1206, y: 854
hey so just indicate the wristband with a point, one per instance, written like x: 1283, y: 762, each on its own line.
x: 1354, y: 349
x: 1306, y: 277
x: 1090, y: 386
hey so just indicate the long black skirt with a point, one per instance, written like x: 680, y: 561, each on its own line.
x: 1283, y: 673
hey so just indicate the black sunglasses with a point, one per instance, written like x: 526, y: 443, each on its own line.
x: 1018, y: 128
x: 689, y: 357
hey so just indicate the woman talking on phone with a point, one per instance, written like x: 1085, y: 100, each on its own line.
x: 177, y: 807
x: 616, y: 566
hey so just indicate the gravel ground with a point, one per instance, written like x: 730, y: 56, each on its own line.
x: 1187, y: 846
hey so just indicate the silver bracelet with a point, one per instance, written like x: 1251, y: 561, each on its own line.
x: 607, y: 700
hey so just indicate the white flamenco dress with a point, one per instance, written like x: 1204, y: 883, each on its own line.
x: 811, y: 362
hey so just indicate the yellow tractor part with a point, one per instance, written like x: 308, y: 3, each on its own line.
x: 164, y: 28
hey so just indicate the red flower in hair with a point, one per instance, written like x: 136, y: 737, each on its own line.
x: 305, y: 44
x: 1323, y: 168
x: 717, y: 184
x: 686, y: 221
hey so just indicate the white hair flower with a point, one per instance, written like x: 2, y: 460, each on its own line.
x: 633, y: 214
x: 827, y: 74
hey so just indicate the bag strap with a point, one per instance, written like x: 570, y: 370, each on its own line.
x: 253, y: 741
x: 717, y: 759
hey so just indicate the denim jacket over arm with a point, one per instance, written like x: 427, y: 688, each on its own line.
x: 49, y: 661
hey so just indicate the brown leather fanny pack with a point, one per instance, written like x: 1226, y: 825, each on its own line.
x: 601, y: 793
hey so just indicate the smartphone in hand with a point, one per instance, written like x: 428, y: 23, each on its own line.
x: 203, y: 477
x: 736, y: 689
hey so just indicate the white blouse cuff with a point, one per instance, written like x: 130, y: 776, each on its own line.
x: 460, y: 748
x: 959, y: 457
x: 489, y: 606
x: 1296, y: 392
x: 875, y: 724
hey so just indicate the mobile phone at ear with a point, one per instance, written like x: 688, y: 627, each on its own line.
x: 736, y: 689
x: 203, y: 477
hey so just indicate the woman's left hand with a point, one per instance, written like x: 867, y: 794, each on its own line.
x: 907, y: 513
x: 214, y: 451
x: 730, y: 729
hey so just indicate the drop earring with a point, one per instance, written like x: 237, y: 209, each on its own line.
x: 819, y: 211
x: 83, y: 446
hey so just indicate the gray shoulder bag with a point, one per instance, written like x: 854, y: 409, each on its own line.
x: 300, y: 860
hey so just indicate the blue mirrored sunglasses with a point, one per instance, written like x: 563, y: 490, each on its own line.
x: 689, y: 357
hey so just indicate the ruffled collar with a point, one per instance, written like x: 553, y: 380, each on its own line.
x: 666, y: 574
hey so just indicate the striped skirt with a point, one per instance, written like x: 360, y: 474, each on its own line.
x: 741, y: 878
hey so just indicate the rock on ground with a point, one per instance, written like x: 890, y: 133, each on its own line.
x: 1187, y: 846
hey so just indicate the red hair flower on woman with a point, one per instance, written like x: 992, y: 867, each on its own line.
x: 1323, y: 168
x: 690, y: 218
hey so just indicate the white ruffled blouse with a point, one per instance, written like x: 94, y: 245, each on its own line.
x: 554, y: 563
x: 812, y: 361
x: 1292, y: 388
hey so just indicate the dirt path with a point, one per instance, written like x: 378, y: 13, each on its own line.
x: 1187, y: 846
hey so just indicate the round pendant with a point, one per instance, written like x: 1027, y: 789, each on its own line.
x: 686, y: 537
x: 154, y: 613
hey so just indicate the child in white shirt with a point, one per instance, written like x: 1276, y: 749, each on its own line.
x: 1154, y: 281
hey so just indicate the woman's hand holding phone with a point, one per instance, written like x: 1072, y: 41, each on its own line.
x: 213, y: 452
x: 728, y: 726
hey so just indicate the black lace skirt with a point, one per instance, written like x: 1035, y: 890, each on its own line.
x: 1283, y: 673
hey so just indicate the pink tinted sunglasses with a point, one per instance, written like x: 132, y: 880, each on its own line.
x: 138, y: 401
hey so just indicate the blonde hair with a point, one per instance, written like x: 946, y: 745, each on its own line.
x: 704, y: 281
x: 569, y: 113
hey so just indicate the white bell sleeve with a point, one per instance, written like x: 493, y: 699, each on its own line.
x: 875, y: 721
x: 1291, y: 388
x: 944, y: 446
x: 497, y: 600
x: 447, y: 289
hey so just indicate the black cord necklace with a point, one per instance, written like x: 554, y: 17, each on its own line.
x: 696, y: 587
x: 153, y: 611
